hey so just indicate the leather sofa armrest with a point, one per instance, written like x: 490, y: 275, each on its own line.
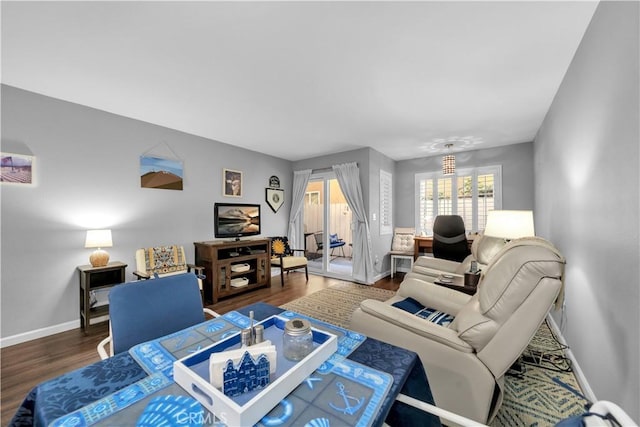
x: 414, y: 324
x: 438, y: 264
x: 433, y: 296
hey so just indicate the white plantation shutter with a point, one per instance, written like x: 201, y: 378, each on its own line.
x: 470, y: 193
x: 386, y: 203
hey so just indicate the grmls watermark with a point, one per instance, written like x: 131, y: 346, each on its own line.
x: 199, y: 418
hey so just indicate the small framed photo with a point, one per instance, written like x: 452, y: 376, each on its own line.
x: 231, y: 183
x: 275, y: 198
x: 16, y: 169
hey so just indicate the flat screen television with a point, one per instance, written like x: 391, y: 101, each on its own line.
x: 236, y: 220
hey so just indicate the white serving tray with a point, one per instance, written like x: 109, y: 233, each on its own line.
x: 192, y: 374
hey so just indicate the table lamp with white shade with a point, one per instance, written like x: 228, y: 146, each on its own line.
x: 98, y: 239
x: 509, y: 225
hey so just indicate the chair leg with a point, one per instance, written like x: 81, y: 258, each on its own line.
x: 306, y: 273
x: 282, y: 276
x: 393, y: 266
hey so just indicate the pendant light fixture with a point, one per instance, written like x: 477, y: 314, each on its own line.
x: 449, y: 162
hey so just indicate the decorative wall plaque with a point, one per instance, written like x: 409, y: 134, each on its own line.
x: 274, y: 182
x: 275, y: 198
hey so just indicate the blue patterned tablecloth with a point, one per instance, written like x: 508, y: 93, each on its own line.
x: 72, y: 391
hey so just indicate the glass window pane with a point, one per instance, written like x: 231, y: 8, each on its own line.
x: 485, y: 198
x: 465, y: 200
x: 426, y: 206
x: 445, y: 204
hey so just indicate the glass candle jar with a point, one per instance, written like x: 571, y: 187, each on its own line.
x: 297, y: 340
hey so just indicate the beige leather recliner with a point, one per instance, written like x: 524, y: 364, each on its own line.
x: 483, y: 249
x: 466, y: 360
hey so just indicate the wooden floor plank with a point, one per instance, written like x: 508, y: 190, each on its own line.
x: 25, y: 365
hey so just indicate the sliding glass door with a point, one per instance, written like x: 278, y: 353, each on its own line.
x: 327, y: 227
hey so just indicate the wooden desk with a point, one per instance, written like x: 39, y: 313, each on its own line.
x: 422, y: 244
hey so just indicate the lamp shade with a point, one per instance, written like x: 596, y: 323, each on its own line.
x: 509, y: 224
x: 449, y: 164
x: 98, y: 239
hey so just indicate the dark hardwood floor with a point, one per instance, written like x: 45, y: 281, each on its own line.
x: 27, y: 364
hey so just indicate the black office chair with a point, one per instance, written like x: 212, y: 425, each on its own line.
x: 449, y: 238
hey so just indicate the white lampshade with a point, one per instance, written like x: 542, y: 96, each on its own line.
x: 98, y: 239
x: 509, y: 225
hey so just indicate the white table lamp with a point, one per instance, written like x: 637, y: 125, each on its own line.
x: 98, y: 239
x: 509, y: 225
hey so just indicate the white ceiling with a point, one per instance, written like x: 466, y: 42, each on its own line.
x: 302, y: 79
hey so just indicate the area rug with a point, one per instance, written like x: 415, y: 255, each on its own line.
x: 336, y: 303
x: 539, y: 394
x: 545, y: 389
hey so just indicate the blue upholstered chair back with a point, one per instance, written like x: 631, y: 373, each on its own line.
x: 144, y: 310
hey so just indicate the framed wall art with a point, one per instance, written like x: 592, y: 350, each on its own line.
x: 156, y: 172
x: 275, y: 198
x: 231, y: 183
x: 16, y: 168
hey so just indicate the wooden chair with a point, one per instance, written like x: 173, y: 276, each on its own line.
x: 163, y: 261
x: 282, y: 256
x: 402, y: 247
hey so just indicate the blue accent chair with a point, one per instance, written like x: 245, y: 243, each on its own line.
x: 144, y: 310
x: 334, y: 242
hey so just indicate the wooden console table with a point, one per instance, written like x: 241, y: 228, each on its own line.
x: 98, y: 280
x: 246, y: 261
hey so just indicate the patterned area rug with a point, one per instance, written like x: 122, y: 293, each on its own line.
x: 532, y: 397
x: 545, y: 390
x: 336, y: 303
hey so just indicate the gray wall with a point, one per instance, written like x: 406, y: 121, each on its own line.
x: 87, y: 176
x: 517, y: 177
x: 587, y: 203
x: 380, y: 244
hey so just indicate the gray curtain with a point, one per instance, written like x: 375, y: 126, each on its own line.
x: 296, y: 233
x: 349, y: 179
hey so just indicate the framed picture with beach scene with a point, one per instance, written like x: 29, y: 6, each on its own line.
x: 16, y: 168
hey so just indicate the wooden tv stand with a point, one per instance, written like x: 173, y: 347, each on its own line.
x: 224, y: 261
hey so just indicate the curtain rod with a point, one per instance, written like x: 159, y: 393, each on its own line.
x: 327, y: 169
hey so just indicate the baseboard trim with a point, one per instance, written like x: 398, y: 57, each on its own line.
x: 38, y: 333
x: 582, y: 379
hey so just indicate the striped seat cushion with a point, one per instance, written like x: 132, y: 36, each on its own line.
x: 432, y: 315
